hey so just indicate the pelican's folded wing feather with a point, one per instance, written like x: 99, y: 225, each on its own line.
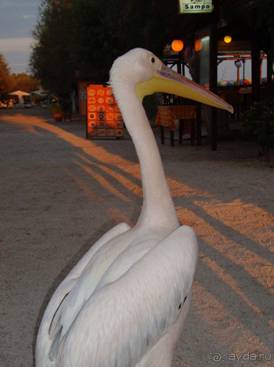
x: 51, y: 326
x: 123, y: 320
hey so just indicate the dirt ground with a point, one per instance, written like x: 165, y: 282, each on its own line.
x: 60, y: 192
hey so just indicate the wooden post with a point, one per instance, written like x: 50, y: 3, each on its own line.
x: 181, y: 131
x: 179, y: 64
x: 256, y: 63
x: 162, y: 132
x: 199, y: 125
x: 171, y: 133
x: 198, y: 105
x: 270, y: 60
x: 213, y: 78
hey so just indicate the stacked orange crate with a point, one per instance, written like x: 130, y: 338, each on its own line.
x: 103, y: 115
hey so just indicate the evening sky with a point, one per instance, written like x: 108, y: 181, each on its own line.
x: 17, y: 21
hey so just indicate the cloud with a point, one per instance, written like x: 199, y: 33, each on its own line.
x: 15, y: 44
x: 29, y: 16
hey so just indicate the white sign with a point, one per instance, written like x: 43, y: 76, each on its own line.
x: 196, y: 6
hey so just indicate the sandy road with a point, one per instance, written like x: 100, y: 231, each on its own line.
x: 59, y: 192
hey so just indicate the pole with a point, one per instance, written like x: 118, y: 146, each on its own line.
x: 213, y: 78
x: 256, y: 62
x: 270, y: 59
x: 179, y: 63
x: 243, y: 61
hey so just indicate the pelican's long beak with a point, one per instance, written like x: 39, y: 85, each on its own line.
x: 167, y: 81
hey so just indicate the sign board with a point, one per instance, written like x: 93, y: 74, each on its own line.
x: 103, y: 115
x: 195, y: 6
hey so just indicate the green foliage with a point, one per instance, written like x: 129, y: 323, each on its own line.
x: 10, y: 82
x: 101, y: 31
x: 51, y: 56
x: 89, y: 40
x: 5, y: 76
x: 259, y: 124
x: 25, y: 82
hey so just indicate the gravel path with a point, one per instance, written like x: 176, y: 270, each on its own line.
x: 60, y: 192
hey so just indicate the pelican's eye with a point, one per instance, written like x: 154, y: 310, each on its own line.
x: 153, y: 60
x: 180, y: 306
x: 185, y: 299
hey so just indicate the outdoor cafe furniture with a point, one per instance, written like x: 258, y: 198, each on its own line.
x: 167, y: 116
x: 239, y: 98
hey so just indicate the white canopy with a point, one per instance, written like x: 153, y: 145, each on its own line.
x: 19, y: 93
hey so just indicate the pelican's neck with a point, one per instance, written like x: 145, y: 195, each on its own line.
x: 158, y: 208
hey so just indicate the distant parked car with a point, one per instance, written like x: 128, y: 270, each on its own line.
x: 3, y: 105
x: 10, y: 103
x: 27, y: 105
x: 44, y: 104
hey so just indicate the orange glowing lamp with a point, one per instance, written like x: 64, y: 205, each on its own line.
x: 198, y: 45
x: 177, y: 45
x: 227, y: 39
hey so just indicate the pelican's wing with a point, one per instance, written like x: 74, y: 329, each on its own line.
x: 108, y: 236
x: 54, y: 308
x: 123, y: 320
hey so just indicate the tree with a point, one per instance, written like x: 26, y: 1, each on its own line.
x: 25, y: 82
x: 51, y: 55
x: 5, y: 77
x: 100, y: 32
x: 81, y: 38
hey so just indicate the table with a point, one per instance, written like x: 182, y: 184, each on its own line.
x: 187, y: 115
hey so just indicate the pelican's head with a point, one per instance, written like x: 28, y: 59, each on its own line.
x: 149, y: 75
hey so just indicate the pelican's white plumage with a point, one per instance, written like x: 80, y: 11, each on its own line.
x: 124, y: 303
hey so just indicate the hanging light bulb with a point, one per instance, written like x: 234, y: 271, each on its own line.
x: 177, y: 45
x: 227, y: 39
x: 198, y: 45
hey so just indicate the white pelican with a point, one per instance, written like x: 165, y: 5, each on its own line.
x: 124, y: 303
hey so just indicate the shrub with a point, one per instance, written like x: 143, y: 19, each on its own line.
x: 259, y: 124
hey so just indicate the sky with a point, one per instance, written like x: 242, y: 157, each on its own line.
x: 17, y: 20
